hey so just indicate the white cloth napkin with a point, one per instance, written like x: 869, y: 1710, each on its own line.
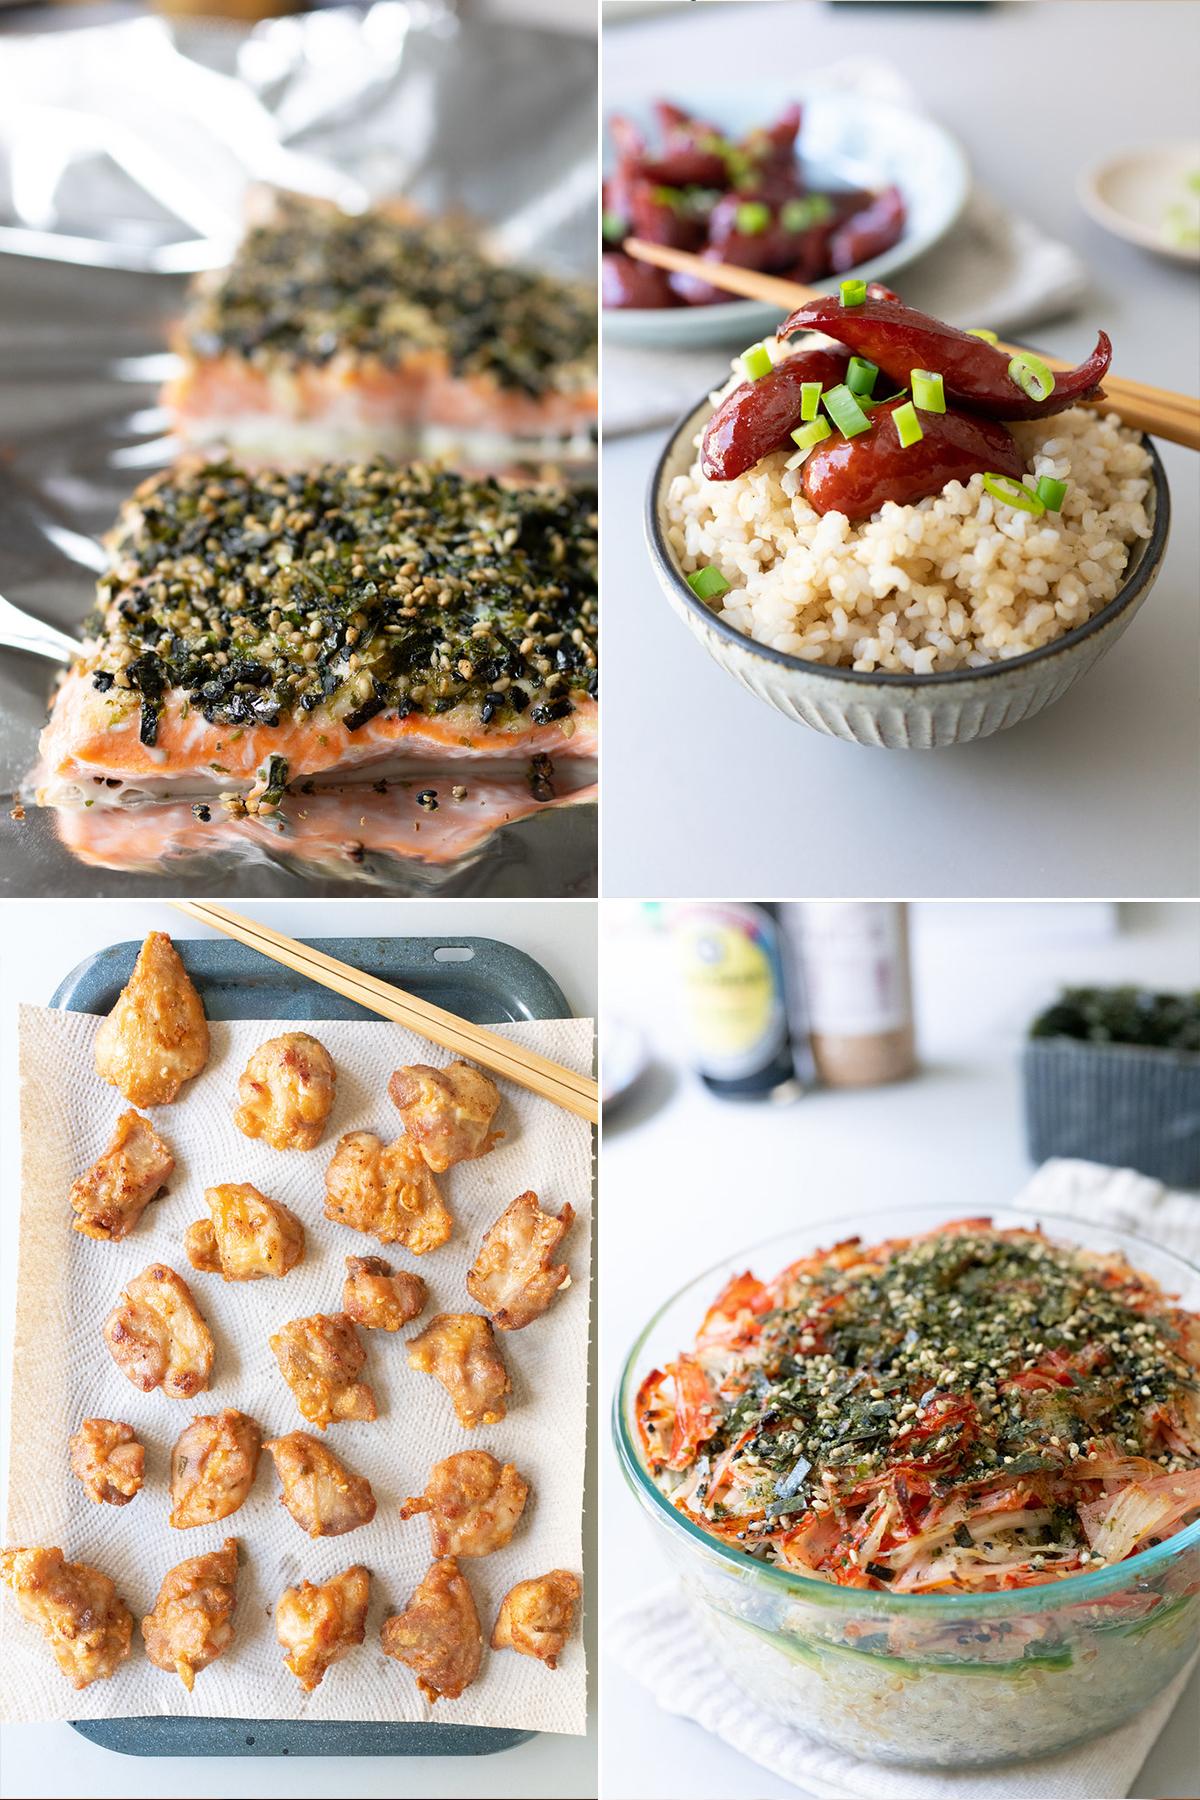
x: 993, y: 269
x: 63, y: 1373
x: 656, y: 1642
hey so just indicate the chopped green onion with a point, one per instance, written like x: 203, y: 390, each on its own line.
x: 1179, y: 229
x: 1051, y: 493
x: 810, y: 399
x: 669, y: 196
x: 853, y: 293
x: 908, y: 426
x: 1013, y: 493
x: 698, y: 202
x: 753, y: 217
x: 798, y: 215
x: 928, y: 390
x: 981, y: 331
x: 807, y: 435
x: 861, y: 375
x: 757, y: 361
x: 1032, y: 375
x: 843, y: 408
x: 708, y: 583
x: 615, y: 227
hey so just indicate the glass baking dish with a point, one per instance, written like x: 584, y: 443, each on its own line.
x: 924, y: 1679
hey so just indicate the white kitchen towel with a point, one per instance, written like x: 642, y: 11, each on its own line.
x: 63, y: 1373
x: 992, y: 269
x: 657, y: 1642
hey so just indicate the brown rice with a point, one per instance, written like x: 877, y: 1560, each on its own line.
x: 957, y: 581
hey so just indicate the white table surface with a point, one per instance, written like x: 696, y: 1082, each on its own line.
x: 700, y: 777
x: 690, y: 1182
x: 41, y: 942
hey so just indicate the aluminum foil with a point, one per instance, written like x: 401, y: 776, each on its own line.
x: 126, y: 153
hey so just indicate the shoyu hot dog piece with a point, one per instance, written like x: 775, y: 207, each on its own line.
x: 899, y: 339
x: 761, y: 415
x: 857, y: 475
x: 869, y: 232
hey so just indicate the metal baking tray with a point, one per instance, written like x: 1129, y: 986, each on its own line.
x: 480, y: 979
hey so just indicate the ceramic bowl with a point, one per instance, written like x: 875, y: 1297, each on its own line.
x: 901, y: 711
x: 847, y: 140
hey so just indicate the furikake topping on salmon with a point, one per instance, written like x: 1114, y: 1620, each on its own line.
x: 315, y: 282
x: 363, y: 591
x: 970, y: 1408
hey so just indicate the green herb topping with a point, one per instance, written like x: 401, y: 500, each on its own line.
x: 358, y: 591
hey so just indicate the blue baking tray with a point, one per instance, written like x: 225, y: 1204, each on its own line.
x: 479, y: 979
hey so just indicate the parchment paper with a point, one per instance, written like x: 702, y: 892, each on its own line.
x: 63, y: 1373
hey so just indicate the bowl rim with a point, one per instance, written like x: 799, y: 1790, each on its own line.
x: 1065, y: 1591
x: 725, y: 313
x: 1132, y: 587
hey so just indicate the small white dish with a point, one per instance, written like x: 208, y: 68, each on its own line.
x: 846, y: 140
x: 1137, y: 193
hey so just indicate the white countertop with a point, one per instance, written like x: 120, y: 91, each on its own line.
x: 43, y: 941
x: 688, y: 1178
x: 700, y: 777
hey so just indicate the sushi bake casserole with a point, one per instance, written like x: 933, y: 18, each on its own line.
x: 335, y: 335
x: 255, y: 629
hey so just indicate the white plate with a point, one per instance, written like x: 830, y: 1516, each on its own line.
x: 846, y: 140
x: 1132, y: 194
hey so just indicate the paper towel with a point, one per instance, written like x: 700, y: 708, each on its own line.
x: 63, y: 1373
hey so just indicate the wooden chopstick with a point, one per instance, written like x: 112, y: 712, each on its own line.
x: 578, y: 1094
x: 1162, y: 413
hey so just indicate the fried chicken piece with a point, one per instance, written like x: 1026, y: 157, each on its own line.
x: 108, y: 1459
x: 88, y: 1625
x: 213, y: 1466
x: 287, y: 1092
x: 512, y: 1277
x: 112, y: 1195
x: 156, y: 1036
x: 447, y: 1112
x: 247, y: 1235
x: 536, y: 1616
x: 473, y: 1504
x: 379, y: 1299
x: 320, y: 1492
x: 387, y: 1190
x: 438, y: 1634
x: 319, y: 1358
x: 192, y: 1621
x: 318, y: 1625
x: 459, y: 1350
x: 157, y: 1337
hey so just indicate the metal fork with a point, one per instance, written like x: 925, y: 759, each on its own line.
x: 21, y: 631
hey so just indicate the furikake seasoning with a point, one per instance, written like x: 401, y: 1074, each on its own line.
x: 1124, y: 1015
x: 314, y: 283
x: 972, y: 1391
x: 359, y: 591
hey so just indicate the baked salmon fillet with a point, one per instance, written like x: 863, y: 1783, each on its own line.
x: 261, y: 629
x: 334, y: 336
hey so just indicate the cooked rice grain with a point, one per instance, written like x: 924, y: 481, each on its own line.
x: 957, y: 581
